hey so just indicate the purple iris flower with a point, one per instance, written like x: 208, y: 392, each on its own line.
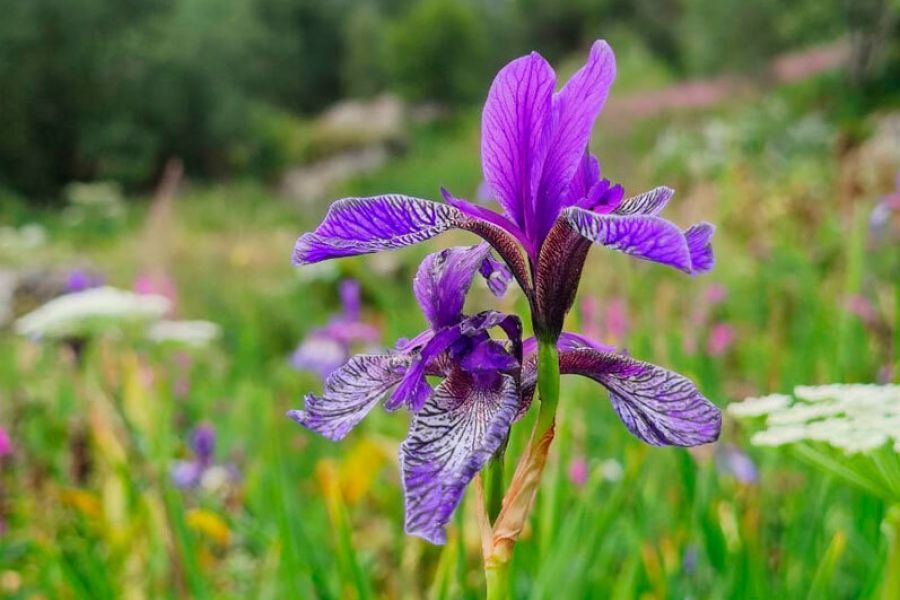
x: 555, y: 205
x: 534, y: 151
x: 189, y: 473
x: 327, y: 348
x: 459, y: 425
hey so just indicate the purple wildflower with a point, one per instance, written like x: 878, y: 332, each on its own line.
x: 194, y: 472
x: 459, y: 425
x: 327, y: 348
x: 79, y: 280
x: 534, y: 151
x: 733, y: 461
x: 555, y: 205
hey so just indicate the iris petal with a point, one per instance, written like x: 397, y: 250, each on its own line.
x: 658, y: 406
x: 513, y: 130
x: 646, y: 237
x: 576, y: 108
x: 454, y: 435
x: 356, y: 226
x: 350, y: 393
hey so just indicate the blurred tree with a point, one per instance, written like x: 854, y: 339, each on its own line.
x: 439, y: 50
x: 364, y: 67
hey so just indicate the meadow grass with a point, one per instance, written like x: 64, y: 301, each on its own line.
x: 91, y: 511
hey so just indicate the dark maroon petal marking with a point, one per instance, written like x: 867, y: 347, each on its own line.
x: 558, y: 274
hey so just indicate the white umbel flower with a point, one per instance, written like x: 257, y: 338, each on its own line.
x: 90, y: 311
x: 189, y: 333
x: 854, y: 418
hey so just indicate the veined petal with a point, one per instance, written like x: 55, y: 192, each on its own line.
x: 699, y: 240
x: 513, y: 130
x: 350, y: 393
x: 658, y: 406
x: 485, y: 214
x: 496, y: 274
x: 586, y: 176
x: 444, y: 278
x: 575, y: 108
x: 454, y: 435
x: 646, y: 237
x: 649, y: 203
x: 363, y: 225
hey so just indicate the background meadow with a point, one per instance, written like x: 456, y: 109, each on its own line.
x: 184, y: 154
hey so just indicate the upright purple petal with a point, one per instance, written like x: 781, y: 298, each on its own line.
x: 363, y: 225
x: 454, y: 435
x: 350, y: 393
x: 646, y: 237
x: 444, y: 278
x: 575, y: 109
x: 586, y: 176
x: 513, y: 131
x: 658, y: 406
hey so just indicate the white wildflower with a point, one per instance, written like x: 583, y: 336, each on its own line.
x: 611, y: 470
x: 91, y: 311
x: 855, y: 418
x: 757, y: 407
x: 190, y: 333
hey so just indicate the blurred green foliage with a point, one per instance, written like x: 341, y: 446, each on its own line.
x: 103, y: 89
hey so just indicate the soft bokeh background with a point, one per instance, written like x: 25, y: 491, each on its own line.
x: 180, y: 146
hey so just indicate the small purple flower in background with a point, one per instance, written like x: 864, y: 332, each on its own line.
x: 202, y: 471
x: 691, y: 559
x: 720, y: 340
x: 79, y: 280
x: 733, y: 461
x: 715, y: 293
x: 6, y: 445
x: 880, y: 217
x: 578, y: 471
x: 327, y: 348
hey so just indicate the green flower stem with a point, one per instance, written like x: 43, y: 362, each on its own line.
x: 494, y: 485
x: 519, y: 500
x: 496, y: 575
x: 890, y: 588
x: 548, y: 387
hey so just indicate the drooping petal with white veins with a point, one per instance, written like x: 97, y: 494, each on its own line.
x: 646, y: 237
x: 514, y: 126
x: 454, y: 435
x: 575, y: 109
x: 658, y: 406
x: 350, y: 393
x: 356, y: 226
